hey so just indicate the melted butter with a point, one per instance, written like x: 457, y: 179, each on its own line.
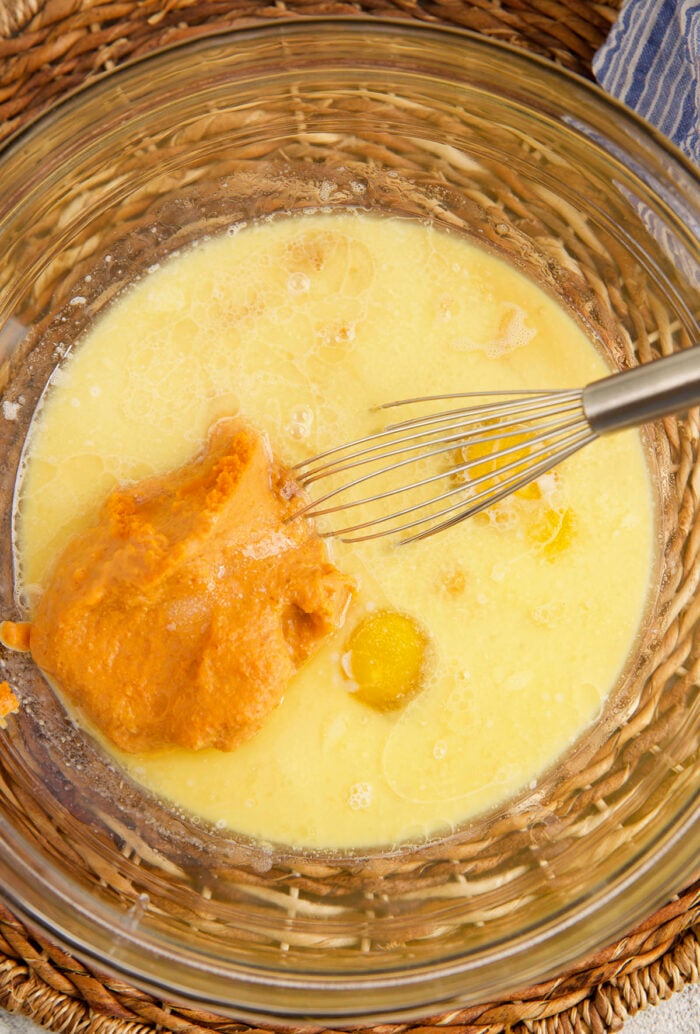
x: 301, y: 326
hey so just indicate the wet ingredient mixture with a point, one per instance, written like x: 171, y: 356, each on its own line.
x: 467, y: 663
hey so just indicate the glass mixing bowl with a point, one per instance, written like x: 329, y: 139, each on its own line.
x: 544, y: 170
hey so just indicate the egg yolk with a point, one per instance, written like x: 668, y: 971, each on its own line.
x: 486, y: 449
x: 386, y: 657
x: 550, y: 529
x: 553, y: 532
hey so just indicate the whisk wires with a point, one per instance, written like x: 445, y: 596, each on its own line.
x: 426, y: 473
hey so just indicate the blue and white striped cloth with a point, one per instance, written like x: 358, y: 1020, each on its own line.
x: 651, y: 62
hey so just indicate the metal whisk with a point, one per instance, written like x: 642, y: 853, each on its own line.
x: 433, y: 471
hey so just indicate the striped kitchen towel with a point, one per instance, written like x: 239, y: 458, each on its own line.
x: 651, y: 62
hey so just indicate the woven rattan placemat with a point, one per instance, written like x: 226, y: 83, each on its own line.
x: 48, y: 47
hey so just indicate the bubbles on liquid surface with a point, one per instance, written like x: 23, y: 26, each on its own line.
x: 298, y: 283
x: 300, y: 423
x: 440, y: 749
x: 361, y: 796
x: 10, y: 410
x: 514, y: 332
x: 325, y: 191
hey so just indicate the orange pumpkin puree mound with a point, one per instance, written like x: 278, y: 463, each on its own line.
x: 180, y: 618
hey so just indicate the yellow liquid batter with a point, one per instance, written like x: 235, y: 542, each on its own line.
x: 301, y: 326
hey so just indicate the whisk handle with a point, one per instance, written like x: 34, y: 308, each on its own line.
x: 645, y: 393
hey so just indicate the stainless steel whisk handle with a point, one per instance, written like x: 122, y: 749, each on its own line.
x: 645, y: 393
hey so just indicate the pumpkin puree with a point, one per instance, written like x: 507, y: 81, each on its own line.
x: 9, y: 704
x: 15, y: 635
x: 180, y: 618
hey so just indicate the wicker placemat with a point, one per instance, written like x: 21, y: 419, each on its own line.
x: 50, y: 46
